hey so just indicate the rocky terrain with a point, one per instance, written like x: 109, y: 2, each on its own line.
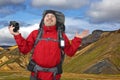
x: 99, y: 53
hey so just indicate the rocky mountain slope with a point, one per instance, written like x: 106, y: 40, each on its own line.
x: 99, y: 54
x: 99, y: 57
x: 1, y: 48
x: 12, y: 60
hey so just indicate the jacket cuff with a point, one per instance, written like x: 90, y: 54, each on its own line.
x: 78, y: 39
x: 17, y: 36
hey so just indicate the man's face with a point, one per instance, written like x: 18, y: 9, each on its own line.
x: 50, y: 19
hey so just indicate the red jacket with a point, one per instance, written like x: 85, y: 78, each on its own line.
x: 46, y: 53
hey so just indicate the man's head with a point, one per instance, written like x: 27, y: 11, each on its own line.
x: 52, y: 18
x: 49, y: 19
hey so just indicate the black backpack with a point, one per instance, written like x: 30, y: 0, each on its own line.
x: 61, y: 29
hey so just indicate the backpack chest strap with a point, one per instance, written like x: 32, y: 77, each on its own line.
x: 49, y: 39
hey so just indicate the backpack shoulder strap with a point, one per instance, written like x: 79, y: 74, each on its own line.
x: 37, y: 39
x: 40, y: 31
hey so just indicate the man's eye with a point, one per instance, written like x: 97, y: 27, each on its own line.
x: 52, y: 16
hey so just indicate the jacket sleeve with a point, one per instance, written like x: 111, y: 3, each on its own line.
x: 25, y: 45
x: 71, y: 47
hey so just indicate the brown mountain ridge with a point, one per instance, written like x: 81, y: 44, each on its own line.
x: 99, y: 57
x: 99, y: 54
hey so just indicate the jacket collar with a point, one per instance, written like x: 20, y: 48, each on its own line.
x: 49, y: 29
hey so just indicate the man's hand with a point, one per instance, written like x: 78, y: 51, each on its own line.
x: 83, y: 34
x: 11, y: 30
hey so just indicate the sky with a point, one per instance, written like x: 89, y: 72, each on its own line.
x: 79, y: 15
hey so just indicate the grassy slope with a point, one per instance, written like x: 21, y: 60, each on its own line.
x: 107, y: 47
x: 65, y: 76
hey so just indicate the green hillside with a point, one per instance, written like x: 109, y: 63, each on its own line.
x: 106, y: 50
x: 99, y: 57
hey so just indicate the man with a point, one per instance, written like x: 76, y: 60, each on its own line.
x: 47, y: 53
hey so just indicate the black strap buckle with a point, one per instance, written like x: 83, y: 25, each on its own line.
x: 45, y: 69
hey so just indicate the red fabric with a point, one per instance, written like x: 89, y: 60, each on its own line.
x: 46, y: 53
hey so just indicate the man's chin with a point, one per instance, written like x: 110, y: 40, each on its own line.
x: 49, y: 24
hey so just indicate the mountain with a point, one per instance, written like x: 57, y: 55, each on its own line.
x: 100, y: 54
x: 92, y: 37
x: 1, y: 48
x: 5, y: 46
x: 12, y: 60
x: 12, y: 48
x: 99, y: 57
x: 96, y: 35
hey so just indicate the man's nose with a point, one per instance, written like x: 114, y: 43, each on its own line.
x: 50, y: 17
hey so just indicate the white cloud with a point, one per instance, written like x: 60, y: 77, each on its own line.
x: 26, y: 30
x: 105, y: 11
x: 7, y: 39
x: 60, y: 3
x: 9, y: 2
x: 72, y: 26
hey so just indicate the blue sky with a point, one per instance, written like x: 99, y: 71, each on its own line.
x: 80, y: 15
